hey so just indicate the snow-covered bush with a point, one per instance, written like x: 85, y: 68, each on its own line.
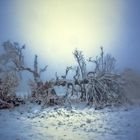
x: 101, y: 86
x: 9, y: 76
x: 105, y: 86
x: 43, y: 93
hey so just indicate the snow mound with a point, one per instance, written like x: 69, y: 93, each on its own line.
x: 76, y: 123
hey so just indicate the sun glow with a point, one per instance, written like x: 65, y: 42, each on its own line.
x: 54, y: 28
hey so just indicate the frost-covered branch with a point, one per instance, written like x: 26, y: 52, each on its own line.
x: 81, y: 62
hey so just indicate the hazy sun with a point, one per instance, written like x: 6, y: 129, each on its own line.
x: 54, y: 28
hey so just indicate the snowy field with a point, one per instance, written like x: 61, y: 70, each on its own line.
x: 80, y: 122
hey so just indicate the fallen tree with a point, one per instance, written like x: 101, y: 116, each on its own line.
x: 102, y: 86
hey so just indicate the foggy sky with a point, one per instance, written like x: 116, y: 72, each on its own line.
x: 123, y: 42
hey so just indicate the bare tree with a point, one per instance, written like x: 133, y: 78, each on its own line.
x: 81, y: 62
x: 14, y: 53
x: 82, y: 67
x: 13, y: 57
x: 104, y: 63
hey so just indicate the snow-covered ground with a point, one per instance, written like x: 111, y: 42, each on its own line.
x: 80, y: 122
